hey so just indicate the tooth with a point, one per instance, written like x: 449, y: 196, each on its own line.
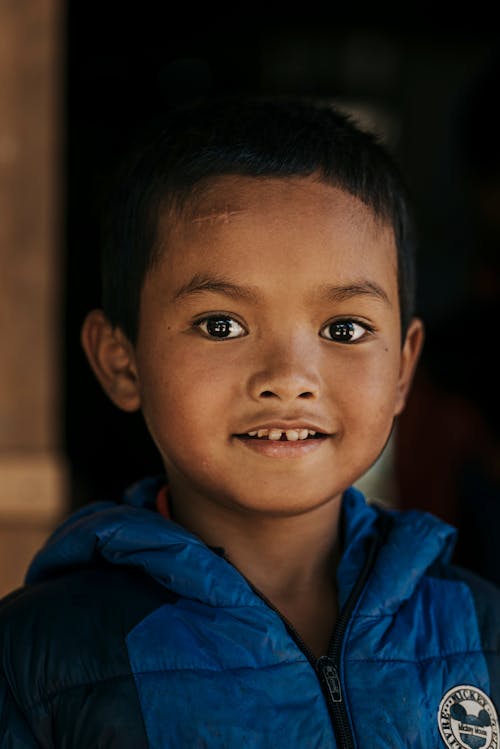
x: 275, y: 434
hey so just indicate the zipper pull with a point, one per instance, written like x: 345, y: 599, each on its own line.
x: 330, y: 675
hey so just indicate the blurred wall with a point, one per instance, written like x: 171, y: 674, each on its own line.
x: 32, y: 466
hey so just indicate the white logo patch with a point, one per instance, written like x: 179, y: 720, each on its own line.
x: 467, y: 719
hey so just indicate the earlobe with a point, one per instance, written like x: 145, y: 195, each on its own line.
x: 410, y: 355
x: 111, y: 357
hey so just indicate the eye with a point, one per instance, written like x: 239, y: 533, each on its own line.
x: 344, y: 331
x: 221, y: 327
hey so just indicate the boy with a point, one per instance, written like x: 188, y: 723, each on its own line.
x: 258, y: 308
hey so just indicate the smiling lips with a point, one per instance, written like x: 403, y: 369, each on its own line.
x: 282, y: 443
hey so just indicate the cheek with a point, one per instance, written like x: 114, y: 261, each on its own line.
x: 366, y: 387
x: 368, y: 412
x: 183, y: 394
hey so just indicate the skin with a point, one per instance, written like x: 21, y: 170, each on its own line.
x: 273, y: 506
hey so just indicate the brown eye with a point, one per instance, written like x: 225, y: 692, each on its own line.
x: 218, y: 326
x: 343, y: 331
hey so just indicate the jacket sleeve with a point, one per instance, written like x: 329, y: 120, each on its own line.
x: 15, y: 732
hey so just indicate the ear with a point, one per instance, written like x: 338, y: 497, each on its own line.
x: 111, y: 357
x: 410, y: 355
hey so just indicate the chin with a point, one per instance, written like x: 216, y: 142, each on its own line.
x: 284, y: 503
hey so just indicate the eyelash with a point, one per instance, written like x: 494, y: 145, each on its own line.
x: 349, y: 325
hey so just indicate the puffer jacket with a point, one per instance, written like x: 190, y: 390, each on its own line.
x: 131, y: 633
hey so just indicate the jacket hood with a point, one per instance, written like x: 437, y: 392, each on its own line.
x: 133, y: 533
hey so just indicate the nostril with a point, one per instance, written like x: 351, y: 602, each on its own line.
x: 306, y: 395
x: 266, y: 394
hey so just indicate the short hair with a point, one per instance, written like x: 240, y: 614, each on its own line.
x: 253, y: 136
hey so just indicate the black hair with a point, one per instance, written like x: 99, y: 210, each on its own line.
x: 252, y: 136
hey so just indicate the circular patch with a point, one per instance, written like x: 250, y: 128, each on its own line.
x: 467, y: 719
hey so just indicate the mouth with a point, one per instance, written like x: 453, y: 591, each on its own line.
x: 277, y: 434
x: 281, y: 442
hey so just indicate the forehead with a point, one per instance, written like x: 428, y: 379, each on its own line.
x: 297, y: 228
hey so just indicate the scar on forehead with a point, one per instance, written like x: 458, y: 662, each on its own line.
x: 222, y: 216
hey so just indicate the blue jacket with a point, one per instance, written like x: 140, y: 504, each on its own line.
x: 132, y: 633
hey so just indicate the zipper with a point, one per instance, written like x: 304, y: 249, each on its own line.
x: 328, y: 667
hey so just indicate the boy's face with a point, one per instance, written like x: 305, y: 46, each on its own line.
x: 274, y: 307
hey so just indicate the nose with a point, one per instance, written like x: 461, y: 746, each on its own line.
x: 286, y: 371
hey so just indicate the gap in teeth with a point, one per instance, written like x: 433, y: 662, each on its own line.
x: 292, y: 435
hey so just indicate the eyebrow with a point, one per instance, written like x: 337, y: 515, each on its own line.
x: 200, y: 283
x: 335, y: 293
x: 217, y: 284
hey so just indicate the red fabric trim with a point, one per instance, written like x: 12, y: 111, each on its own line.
x: 162, y: 503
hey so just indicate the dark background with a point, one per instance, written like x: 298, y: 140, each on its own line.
x: 433, y: 91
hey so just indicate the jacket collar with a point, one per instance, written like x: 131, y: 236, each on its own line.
x: 133, y: 533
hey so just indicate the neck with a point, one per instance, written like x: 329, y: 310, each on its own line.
x: 290, y: 560
x: 285, y: 557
